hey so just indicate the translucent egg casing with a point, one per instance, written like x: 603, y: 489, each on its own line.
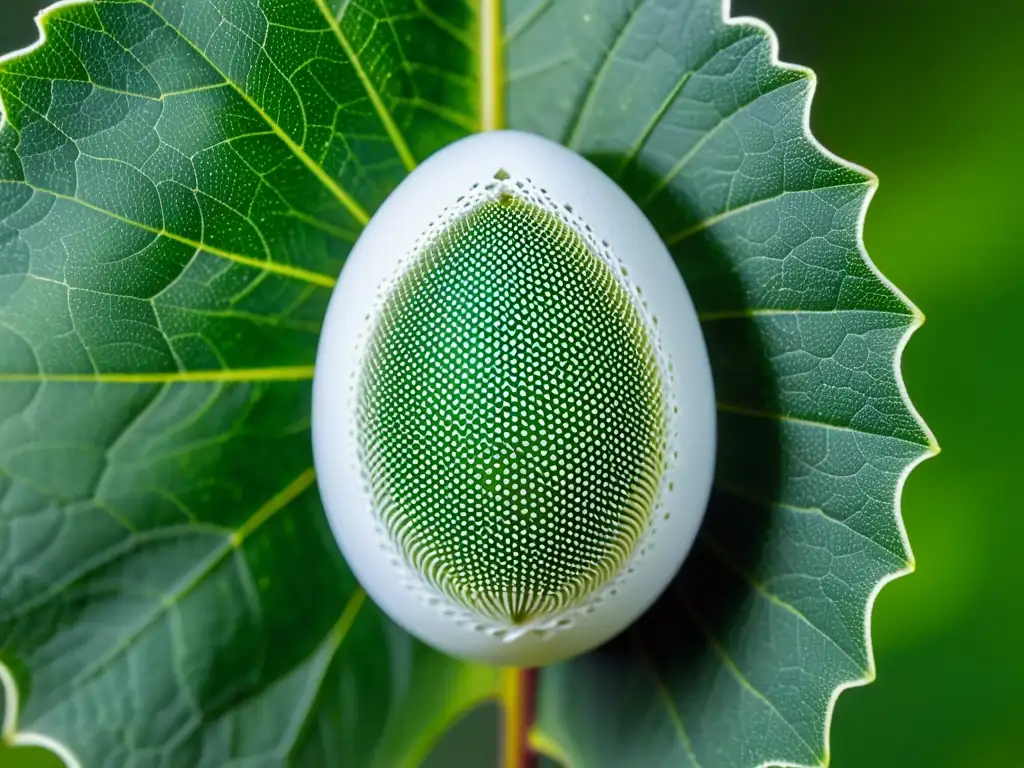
x: 513, y: 413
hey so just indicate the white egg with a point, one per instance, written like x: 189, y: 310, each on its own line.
x: 513, y: 414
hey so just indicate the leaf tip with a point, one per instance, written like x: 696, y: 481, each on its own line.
x: 930, y: 444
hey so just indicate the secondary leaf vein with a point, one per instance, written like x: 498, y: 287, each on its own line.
x: 286, y: 270
x: 357, y: 211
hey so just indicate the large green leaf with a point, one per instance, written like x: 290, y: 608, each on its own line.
x: 181, y: 180
x: 180, y: 183
x: 740, y: 663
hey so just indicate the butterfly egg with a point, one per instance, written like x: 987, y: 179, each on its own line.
x: 513, y: 417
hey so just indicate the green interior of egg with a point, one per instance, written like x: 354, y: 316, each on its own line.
x: 511, y: 414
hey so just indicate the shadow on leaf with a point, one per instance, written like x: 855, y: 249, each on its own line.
x: 681, y: 638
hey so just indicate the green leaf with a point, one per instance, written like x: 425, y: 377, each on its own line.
x: 180, y: 183
x: 740, y: 663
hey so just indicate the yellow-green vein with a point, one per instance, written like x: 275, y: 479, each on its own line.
x: 286, y: 270
x: 357, y: 210
x: 326, y: 652
x: 543, y: 743
x: 492, y: 81
x: 274, y: 505
x: 401, y: 147
x: 282, y: 373
x: 194, y: 578
x: 442, y: 23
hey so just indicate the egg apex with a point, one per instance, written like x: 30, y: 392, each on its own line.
x: 504, y: 450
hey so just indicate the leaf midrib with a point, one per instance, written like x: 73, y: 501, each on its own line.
x: 492, y: 66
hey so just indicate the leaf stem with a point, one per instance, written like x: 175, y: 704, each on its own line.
x: 492, y: 63
x: 519, y: 687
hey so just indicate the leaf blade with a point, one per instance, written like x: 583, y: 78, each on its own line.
x: 763, y: 223
x: 177, y: 197
x: 701, y: 124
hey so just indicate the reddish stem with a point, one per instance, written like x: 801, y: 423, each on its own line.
x: 519, y: 709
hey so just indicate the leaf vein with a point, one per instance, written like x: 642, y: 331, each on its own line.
x: 240, y: 375
x: 754, y: 413
x: 357, y: 211
x: 897, y: 562
x: 719, y: 550
x: 333, y: 643
x: 734, y: 669
x: 527, y: 20
x: 718, y: 218
x: 705, y: 138
x: 194, y: 577
x: 675, y: 716
x: 743, y: 314
x: 571, y: 138
x: 286, y: 270
x: 385, y: 116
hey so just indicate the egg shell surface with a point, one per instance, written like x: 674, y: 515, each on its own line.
x: 384, y: 249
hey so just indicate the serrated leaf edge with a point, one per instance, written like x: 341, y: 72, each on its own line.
x: 543, y: 742
x: 491, y: 118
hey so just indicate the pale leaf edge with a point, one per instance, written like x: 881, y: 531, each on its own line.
x: 543, y: 742
x: 540, y: 741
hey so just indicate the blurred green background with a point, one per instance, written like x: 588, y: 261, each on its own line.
x: 929, y: 94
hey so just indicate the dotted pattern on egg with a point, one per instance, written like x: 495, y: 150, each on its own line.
x: 511, y: 413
